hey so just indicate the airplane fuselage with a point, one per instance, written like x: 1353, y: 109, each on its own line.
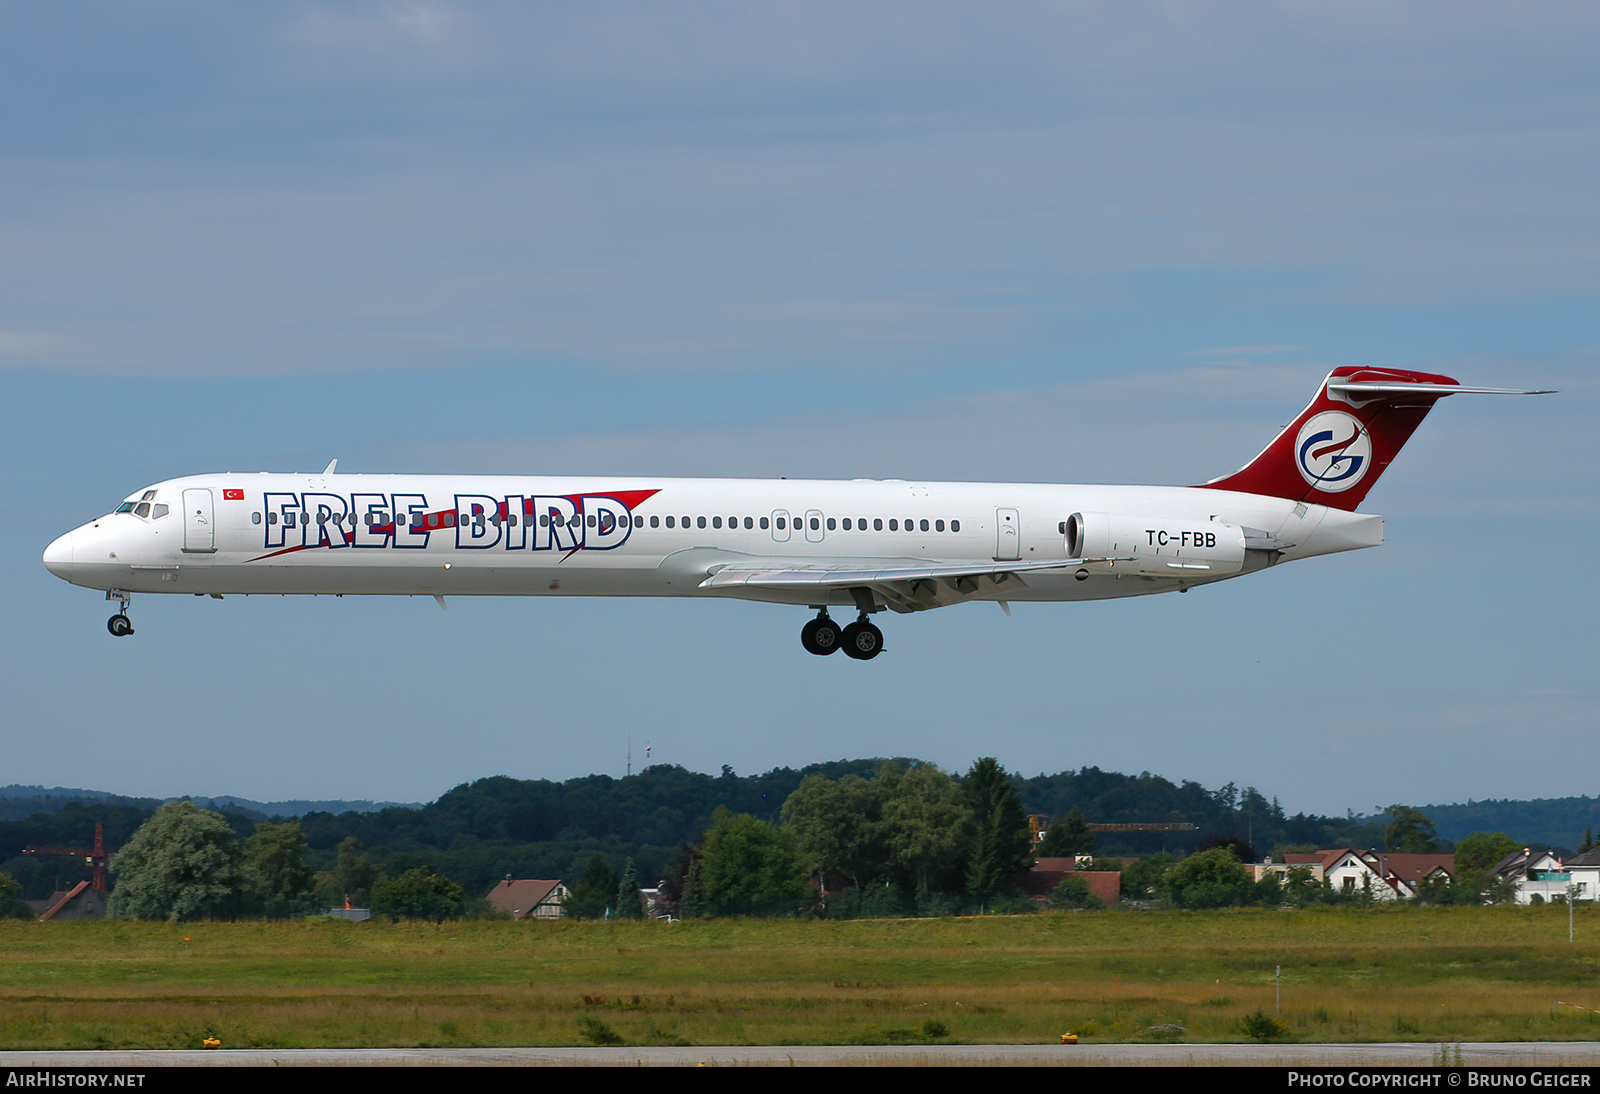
x: 441, y: 535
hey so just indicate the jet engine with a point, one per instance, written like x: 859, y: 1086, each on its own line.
x: 1155, y: 546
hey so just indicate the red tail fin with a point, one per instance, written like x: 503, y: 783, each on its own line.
x: 1334, y: 451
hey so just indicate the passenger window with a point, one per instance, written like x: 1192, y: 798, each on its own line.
x: 700, y: 522
x: 670, y: 522
x: 716, y: 522
x: 924, y: 524
x: 764, y: 524
x: 955, y: 526
x: 831, y: 524
x: 877, y: 524
x: 255, y: 518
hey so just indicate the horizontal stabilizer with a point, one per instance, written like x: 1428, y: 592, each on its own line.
x: 1374, y: 389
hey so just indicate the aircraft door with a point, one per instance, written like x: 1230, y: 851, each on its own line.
x: 814, y: 525
x: 1008, y: 535
x: 199, y: 531
x: 780, y: 525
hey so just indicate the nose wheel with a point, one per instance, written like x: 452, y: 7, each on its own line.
x: 120, y: 625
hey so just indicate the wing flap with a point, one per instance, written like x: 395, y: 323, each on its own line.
x: 903, y: 588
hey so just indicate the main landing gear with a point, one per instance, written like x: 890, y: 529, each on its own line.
x: 860, y: 640
x: 120, y: 625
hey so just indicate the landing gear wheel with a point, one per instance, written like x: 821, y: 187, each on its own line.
x: 863, y: 641
x: 120, y: 625
x: 820, y: 636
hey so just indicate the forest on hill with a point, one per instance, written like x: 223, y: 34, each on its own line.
x: 481, y: 832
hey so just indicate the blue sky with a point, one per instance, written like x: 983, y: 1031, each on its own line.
x: 1045, y: 242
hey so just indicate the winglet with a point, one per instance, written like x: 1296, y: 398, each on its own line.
x: 329, y: 469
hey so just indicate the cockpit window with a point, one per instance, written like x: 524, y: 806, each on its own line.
x: 146, y: 507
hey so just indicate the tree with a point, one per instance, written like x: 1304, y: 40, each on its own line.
x: 1074, y: 892
x: 1144, y: 878
x: 1210, y: 879
x: 1068, y: 838
x: 275, y: 866
x: 184, y: 863
x: 839, y: 826
x: 1476, y: 853
x: 418, y: 894
x: 1000, y: 843
x: 1243, y: 850
x: 691, y: 904
x: 750, y: 867
x: 592, y: 897
x: 630, y: 904
x: 355, y: 873
x: 1409, y: 832
x: 12, y: 905
x: 928, y: 828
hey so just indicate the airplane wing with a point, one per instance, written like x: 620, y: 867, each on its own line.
x: 909, y: 588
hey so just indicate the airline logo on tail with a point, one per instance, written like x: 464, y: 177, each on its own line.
x: 1333, y: 451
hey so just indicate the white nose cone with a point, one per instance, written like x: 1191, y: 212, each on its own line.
x: 58, y: 557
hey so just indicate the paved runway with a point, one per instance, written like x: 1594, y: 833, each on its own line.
x: 1550, y: 1054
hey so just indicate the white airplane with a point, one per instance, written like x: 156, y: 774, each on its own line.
x: 866, y: 544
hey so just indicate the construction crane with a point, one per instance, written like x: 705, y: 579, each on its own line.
x: 96, y: 855
x: 1039, y: 822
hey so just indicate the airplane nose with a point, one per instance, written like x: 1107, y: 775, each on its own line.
x: 58, y: 557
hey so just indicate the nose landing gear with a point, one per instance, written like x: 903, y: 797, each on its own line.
x: 120, y: 625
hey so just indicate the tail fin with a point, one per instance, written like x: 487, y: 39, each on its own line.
x: 1334, y: 451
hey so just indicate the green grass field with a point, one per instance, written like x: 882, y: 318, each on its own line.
x: 1400, y: 974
